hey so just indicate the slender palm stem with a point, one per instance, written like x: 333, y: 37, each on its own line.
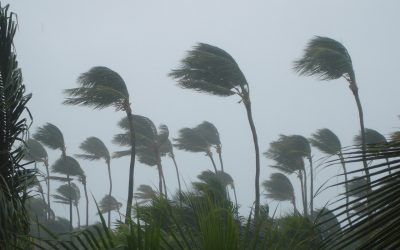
x: 311, y: 186
x: 78, y: 215
x: 220, y: 157
x: 305, y: 193
x: 109, y: 193
x: 209, y: 154
x: 294, y: 205
x: 131, y: 166
x: 46, y: 164
x: 70, y: 205
x: 234, y: 194
x: 177, y: 175
x: 87, y: 203
x: 257, y: 151
x: 160, y: 179
x: 346, y: 185
x: 300, y: 175
x: 164, y: 183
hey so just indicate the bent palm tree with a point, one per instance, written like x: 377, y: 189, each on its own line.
x: 108, y: 204
x: 100, y: 88
x: 66, y: 193
x: 149, y: 140
x: 329, y: 60
x: 35, y: 151
x: 192, y: 141
x: 69, y: 167
x: 280, y: 188
x: 327, y: 142
x: 211, y: 134
x: 94, y: 149
x: 209, y: 69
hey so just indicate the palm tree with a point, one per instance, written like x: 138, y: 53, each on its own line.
x: 211, y: 134
x: 66, y: 193
x: 34, y: 151
x: 192, y: 141
x: 69, y: 167
x: 100, y: 88
x: 144, y: 194
x: 167, y: 149
x: 329, y: 60
x: 82, y: 180
x: 280, y: 188
x: 95, y: 149
x: 209, y: 69
x: 289, y: 159
x: 108, y: 204
x: 327, y: 142
x: 374, y: 141
x: 148, y: 143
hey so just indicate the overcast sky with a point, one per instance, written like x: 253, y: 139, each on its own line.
x: 144, y: 40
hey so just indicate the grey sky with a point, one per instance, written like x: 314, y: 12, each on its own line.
x: 144, y: 40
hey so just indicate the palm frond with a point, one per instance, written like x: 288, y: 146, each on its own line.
x: 144, y: 193
x: 325, y: 58
x: 209, y: 69
x: 34, y: 151
x: 68, y: 166
x: 109, y: 203
x: 67, y: 192
x: 94, y: 149
x: 190, y: 140
x: 326, y: 141
x: 122, y: 153
x: 100, y: 87
x: 279, y: 188
x: 209, y: 132
x: 373, y: 139
x: 51, y: 136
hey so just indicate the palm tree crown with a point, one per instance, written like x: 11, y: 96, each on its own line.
x: 280, y: 188
x: 34, y: 151
x: 51, y: 136
x: 326, y: 141
x: 94, y: 149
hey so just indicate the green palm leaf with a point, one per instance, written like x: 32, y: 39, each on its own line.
x: 50, y: 136
x: 326, y: 141
x: 94, y: 149
x: 68, y: 166
x: 279, y: 188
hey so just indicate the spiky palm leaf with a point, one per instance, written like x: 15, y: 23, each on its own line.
x: 280, y: 188
x: 209, y: 69
x: 51, y: 136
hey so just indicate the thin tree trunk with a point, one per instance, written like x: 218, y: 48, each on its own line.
x: 311, y: 187
x: 234, y: 194
x: 294, y: 205
x: 46, y: 164
x: 164, y: 183
x: 87, y: 204
x: 79, y: 217
x: 160, y: 179
x: 70, y: 205
x: 131, y: 166
x: 346, y: 185
x: 212, y: 161
x: 300, y: 175
x: 257, y: 151
x: 305, y: 192
x: 177, y: 175
x: 219, y: 151
x: 109, y: 193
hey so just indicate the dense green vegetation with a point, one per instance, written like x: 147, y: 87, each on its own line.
x: 203, y: 215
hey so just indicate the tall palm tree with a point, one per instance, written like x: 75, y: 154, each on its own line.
x: 211, y: 134
x: 374, y: 141
x: 192, y: 141
x: 209, y: 69
x: 34, y: 151
x: 328, y: 142
x: 94, y: 149
x: 69, y: 167
x: 149, y: 140
x: 100, y: 88
x: 108, y: 204
x: 289, y: 161
x: 167, y: 149
x: 66, y: 193
x: 280, y: 188
x: 329, y: 60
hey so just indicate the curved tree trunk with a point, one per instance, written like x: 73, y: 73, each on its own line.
x: 294, y: 205
x: 131, y: 166
x: 346, y: 185
x: 109, y: 193
x: 160, y: 179
x: 305, y: 193
x: 79, y: 217
x: 300, y: 175
x: 311, y: 187
x: 209, y: 154
x: 87, y: 204
x: 247, y: 104
x: 46, y: 164
x: 70, y: 205
x: 177, y: 175
x: 219, y: 151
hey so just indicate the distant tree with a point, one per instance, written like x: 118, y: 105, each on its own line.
x: 329, y: 60
x: 280, y: 188
x: 100, y: 88
x: 145, y: 193
x: 94, y: 149
x: 192, y: 140
x: 209, y: 69
x: 66, y: 193
x: 108, y: 204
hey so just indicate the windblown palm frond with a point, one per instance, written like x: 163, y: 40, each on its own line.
x: 326, y: 141
x: 279, y: 188
x: 34, y: 151
x: 99, y: 88
x: 326, y: 58
x: 144, y: 194
x: 190, y: 140
x: 66, y: 192
x: 109, y: 203
x: 68, y: 166
x: 209, y: 132
x: 94, y: 149
x: 373, y: 139
x: 51, y: 136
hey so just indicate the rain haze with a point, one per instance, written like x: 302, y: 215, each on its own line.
x: 144, y: 40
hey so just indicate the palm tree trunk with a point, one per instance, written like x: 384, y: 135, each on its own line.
x: 300, y: 175
x: 212, y: 161
x: 311, y: 187
x: 70, y: 205
x: 160, y: 179
x: 305, y: 193
x: 87, y: 204
x: 247, y: 104
x: 109, y: 193
x: 46, y: 164
x: 164, y: 183
x: 346, y: 185
x: 234, y: 194
x: 131, y: 166
x: 177, y: 175
x: 79, y: 217
x: 294, y: 205
x: 220, y: 157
